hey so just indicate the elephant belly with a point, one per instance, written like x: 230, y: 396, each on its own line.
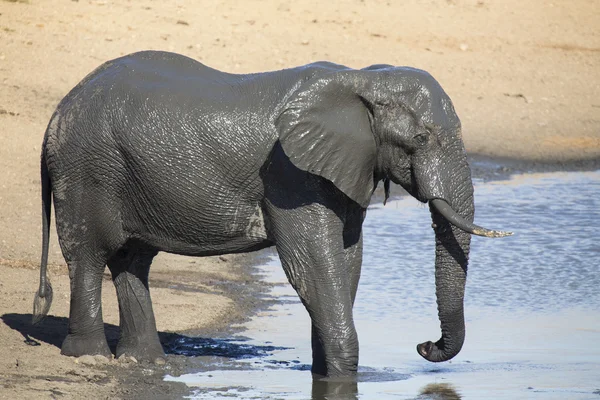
x: 211, y: 230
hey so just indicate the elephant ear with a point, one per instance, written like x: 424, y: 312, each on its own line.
x: 325, y: 129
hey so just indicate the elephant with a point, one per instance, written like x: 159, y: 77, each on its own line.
x: 154, y: 151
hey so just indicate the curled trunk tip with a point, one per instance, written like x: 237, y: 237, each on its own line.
x: 439, y: 351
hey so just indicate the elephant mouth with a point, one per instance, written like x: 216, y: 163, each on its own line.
x: 452, y: 216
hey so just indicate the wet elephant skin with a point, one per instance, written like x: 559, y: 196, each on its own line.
x: 154, y: 152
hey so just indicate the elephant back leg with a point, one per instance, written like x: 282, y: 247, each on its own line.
x: 86, y: 264
x: 86, y: 328
x: 130, y: 267
x: 89, y: 231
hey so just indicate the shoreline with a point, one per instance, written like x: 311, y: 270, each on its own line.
x: 186, y: 350
x: 482, y: 165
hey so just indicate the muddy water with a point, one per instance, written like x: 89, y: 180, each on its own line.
x: 532, y: 307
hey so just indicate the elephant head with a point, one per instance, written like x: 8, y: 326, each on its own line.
x: 358, y: 127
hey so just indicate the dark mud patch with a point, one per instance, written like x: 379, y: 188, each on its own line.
x: 229, y: 348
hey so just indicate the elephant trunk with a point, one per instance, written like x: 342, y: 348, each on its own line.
x: 451, y: 260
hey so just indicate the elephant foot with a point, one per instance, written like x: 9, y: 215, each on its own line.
x: 81, y: 345
x: 142, y: 348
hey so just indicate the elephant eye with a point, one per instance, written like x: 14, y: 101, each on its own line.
x: 421, y: 138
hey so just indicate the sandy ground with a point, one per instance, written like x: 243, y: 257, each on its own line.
x: 189, y: 295
x: 524, y: 77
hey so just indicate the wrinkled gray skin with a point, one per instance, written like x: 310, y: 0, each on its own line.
x: 157, y: 152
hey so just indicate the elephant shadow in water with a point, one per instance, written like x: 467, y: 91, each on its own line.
x: 53, y: 331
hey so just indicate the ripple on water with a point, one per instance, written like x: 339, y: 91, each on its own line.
x: 550, y: 262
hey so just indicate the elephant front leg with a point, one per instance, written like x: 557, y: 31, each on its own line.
x: 325, y: 291
x: 86, y: 328
x: 352, y: 264
x: 138, y: 335
x: 311, y: 248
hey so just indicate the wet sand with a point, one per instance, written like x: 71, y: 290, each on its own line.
x: 523, y: 77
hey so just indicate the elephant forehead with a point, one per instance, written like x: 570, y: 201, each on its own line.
x: 440, y: 112
x: 433, y: 107
x: 421, y: 93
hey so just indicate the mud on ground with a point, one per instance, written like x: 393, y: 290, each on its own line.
x: 523, y: 76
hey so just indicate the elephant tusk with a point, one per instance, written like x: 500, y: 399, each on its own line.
x: 452, y: 216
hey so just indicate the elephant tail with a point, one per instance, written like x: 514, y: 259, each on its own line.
x: 43, y: 297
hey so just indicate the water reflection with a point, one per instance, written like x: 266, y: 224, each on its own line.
x: 438, y: 391
x: 331, y: 390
